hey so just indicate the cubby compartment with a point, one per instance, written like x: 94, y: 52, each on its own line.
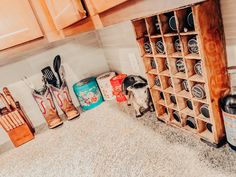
x: 185, y: 20
x: 145, y: 47
x: 157, y: 83
x: 195, y: 70
x: 167, y: 84
x: 163, y: 66
x: 150, y: 64
x: 168, y: 23
x: 175, y: 117
x: 158, y: 97
x: 153, y: 66
x: 173, y: 46
x: 181, y: 87
x: 140, y: 28
x: 162, y: 113
x: 185, y: 106
x: 190, y: 46
x: 205, y: 130
x: 171, y: 100
x: 178, y: 69
x: 202, y: 111
x: 189, y: 123
x: 153, y: 26
x: 151, y: 79
x: 158, y: 47
x: 198, y: 91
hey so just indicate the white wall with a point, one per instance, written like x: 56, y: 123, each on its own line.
x: 82, y: 57
x: 120, y: 48
x: 231, y: 58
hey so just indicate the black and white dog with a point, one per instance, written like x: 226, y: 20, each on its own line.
x: 137, y: 91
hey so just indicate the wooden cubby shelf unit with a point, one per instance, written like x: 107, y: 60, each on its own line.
x: 188, y: 48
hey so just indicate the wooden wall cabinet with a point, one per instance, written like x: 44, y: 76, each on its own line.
x: 53, y: 20
x: 18, y: 23
x: 28, y: 25
x: 103, y: 5
x: 190, y: 59
x: 65, y: 12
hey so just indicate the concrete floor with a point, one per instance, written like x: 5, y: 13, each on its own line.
x: 109, y: 141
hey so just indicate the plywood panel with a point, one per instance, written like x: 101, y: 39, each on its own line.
x: 18, y: 23
x: 65, y: 12
x: 102, y: 5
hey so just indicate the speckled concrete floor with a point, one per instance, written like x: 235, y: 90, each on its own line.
x: 108, y: 142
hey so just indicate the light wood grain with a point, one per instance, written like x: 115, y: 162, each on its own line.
x: 81, y: 26
x: 20, y: 135
x: 18, y: 23
x: 210, y: 37
x: 65, y: 12
x: 213, y: 49
x: 103, y: 5
x: 45, y: 20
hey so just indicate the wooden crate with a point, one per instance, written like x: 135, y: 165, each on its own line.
x: 208, y: 30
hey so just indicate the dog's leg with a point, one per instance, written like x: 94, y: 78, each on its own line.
x: 130, y: 97
x: 137, y: 109
x: 150, y: 102
x: 151, y: 106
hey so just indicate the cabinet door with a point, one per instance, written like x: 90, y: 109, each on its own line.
x: 65, y: 12
x: 17, y: 23
x: 102, y: 5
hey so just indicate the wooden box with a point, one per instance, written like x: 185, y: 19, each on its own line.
x: 209, y: 34
x: 20, y: 135
x: 23, y: 131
